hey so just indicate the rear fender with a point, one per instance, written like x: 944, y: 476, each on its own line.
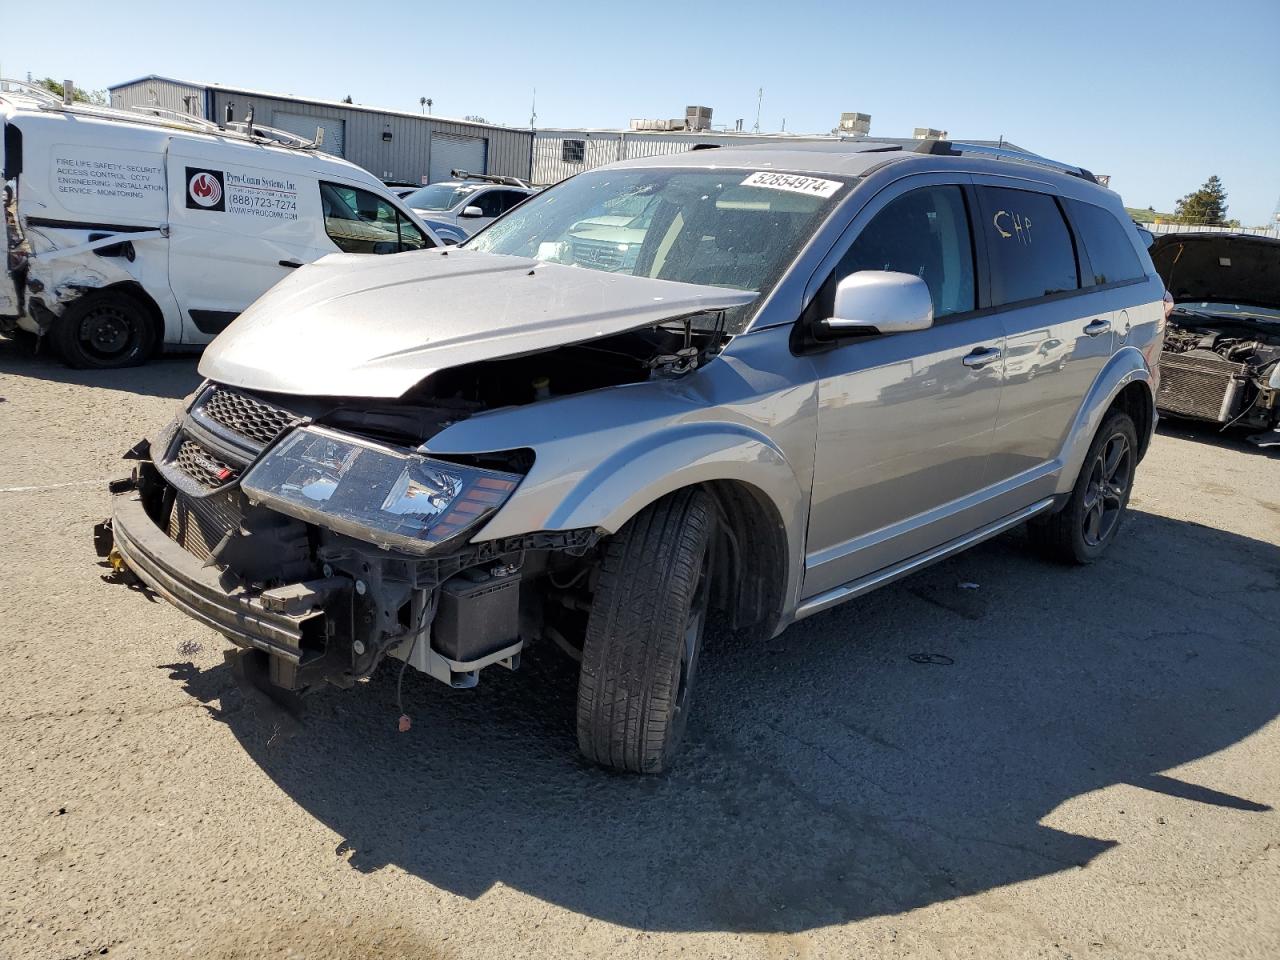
x: 1126, y: 366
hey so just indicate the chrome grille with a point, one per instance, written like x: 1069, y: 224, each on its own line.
x: 246, y: 416
x: 202, y: 466
x: 599, y: 253
x: 1204, y: 388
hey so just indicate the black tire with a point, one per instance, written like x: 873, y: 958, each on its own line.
x: 105, y: 330
x: 1082, y: 530
x: 644, y: 633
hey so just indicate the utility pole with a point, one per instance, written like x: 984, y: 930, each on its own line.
x: 759, y: 101
x: 533, y: 110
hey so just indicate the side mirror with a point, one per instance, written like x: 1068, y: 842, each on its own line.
x: 877, y: 302
x: 472, y: 211
x: 386, y: 246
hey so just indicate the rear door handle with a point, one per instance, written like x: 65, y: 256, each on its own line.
x: 1098, y: 328
x: 291, y: 264
x: 980, y: 357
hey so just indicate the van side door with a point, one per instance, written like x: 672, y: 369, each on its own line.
x: 904, y: 421
x: 240, y: 219
x: 1057, y: 333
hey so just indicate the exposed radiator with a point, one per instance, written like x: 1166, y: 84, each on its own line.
x: 198, y: 525
x: 1203, y: 388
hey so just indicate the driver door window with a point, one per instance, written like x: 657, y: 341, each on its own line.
x: 924, y: 233
x: 358, y: 221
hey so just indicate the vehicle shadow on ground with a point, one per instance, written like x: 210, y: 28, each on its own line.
x: 1198, y: 431
x: 828, y: 776
x: 171, y: 375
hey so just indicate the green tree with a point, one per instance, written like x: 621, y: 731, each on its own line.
x: 95, y: 97
x: 1208, y: 205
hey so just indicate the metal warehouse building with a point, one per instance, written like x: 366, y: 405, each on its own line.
x: 390, y: 144
x: 411, y: 148
x: 560, y: 153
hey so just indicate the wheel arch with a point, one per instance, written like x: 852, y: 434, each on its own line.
x: 1126, y: 380
x: 761, y: 504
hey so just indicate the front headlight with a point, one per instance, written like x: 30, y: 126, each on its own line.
x: 393, y: 498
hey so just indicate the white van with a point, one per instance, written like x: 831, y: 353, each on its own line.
x: 129, y: 232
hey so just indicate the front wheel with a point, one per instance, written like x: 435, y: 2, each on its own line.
x: 1083, y: 529
x: 644, y: 633
x: 103, y: 330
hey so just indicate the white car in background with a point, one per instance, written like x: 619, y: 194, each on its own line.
x: 455, y: 209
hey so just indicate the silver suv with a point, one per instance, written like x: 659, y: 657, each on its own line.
x: 797, y: 388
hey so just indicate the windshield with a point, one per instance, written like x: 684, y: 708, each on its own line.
x: 724, y: 228
x: 438, y: 196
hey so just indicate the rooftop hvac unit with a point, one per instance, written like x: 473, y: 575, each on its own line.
x: 855, y: 123
x: 928, y: 133
x: 698, y: 118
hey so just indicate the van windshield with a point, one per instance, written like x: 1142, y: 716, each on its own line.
x: 437, y: 196
x: 725, y: 228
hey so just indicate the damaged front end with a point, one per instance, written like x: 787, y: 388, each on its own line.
x: 329, y: 550
x: 1221, y: 369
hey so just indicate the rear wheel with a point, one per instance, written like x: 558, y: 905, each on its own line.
x: 1083, y: 529
x: 644, y: 635
x: 107, y: 329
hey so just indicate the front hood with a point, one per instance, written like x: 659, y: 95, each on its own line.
x: 363, y: 326
x: 1219, y: 268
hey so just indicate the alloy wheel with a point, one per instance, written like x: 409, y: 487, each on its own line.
x: 1109, y: 480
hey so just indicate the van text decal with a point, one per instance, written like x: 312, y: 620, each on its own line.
x: 793, y: 183
x: 263, y: 195
x: 106, y: 173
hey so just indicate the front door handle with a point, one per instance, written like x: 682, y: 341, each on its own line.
x: 980, y: 356
x: 1098, y: 328
x: 291, y: 264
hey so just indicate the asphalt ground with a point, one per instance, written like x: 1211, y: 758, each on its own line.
x: 1052, y: 763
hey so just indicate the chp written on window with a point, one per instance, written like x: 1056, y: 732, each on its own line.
x: 360, y: 222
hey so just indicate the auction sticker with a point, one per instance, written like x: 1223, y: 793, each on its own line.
x: 793, y: 183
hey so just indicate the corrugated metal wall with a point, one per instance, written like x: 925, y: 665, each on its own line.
x: 606, y: 146
x: 549, y: 166
x: 407, y: 155
x: 164, y: 94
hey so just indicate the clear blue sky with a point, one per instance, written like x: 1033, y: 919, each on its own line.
x: 1158, y: 94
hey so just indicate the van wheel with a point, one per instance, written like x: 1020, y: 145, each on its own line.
x: 107, y: 329
x: 644, y: 634
x: 1083, y: 529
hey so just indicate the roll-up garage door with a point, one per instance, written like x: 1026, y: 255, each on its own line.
x: 305, y: 126
x: 449, y: 152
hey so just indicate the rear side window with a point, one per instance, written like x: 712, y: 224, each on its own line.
x: 924, y: 233
x: 1029, y: 245
x: 1111, y: 255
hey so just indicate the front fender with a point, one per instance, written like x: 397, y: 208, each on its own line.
x: 636, y: 475
x: 1126, y: 366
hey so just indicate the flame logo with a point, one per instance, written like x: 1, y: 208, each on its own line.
x: 205, y: 189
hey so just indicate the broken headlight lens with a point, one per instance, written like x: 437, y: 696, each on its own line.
x: 394, y: 498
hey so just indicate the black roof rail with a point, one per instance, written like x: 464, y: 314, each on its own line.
x: 489, y: 178
x: 949, y: 148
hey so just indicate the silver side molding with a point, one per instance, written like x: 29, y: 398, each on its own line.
x: 856, y: 588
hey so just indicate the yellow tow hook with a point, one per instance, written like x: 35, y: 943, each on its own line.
x: 116, y: 561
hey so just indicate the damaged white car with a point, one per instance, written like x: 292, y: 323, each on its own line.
x: 1222, y: 349
x: 128, y: 233
x: 793, y: 390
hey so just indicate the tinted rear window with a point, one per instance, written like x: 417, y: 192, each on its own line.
x: 1030, y: 247
x: 1111, y: 255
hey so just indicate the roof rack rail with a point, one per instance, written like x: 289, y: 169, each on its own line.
x: 949, y: 148
x: 489, y: 178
